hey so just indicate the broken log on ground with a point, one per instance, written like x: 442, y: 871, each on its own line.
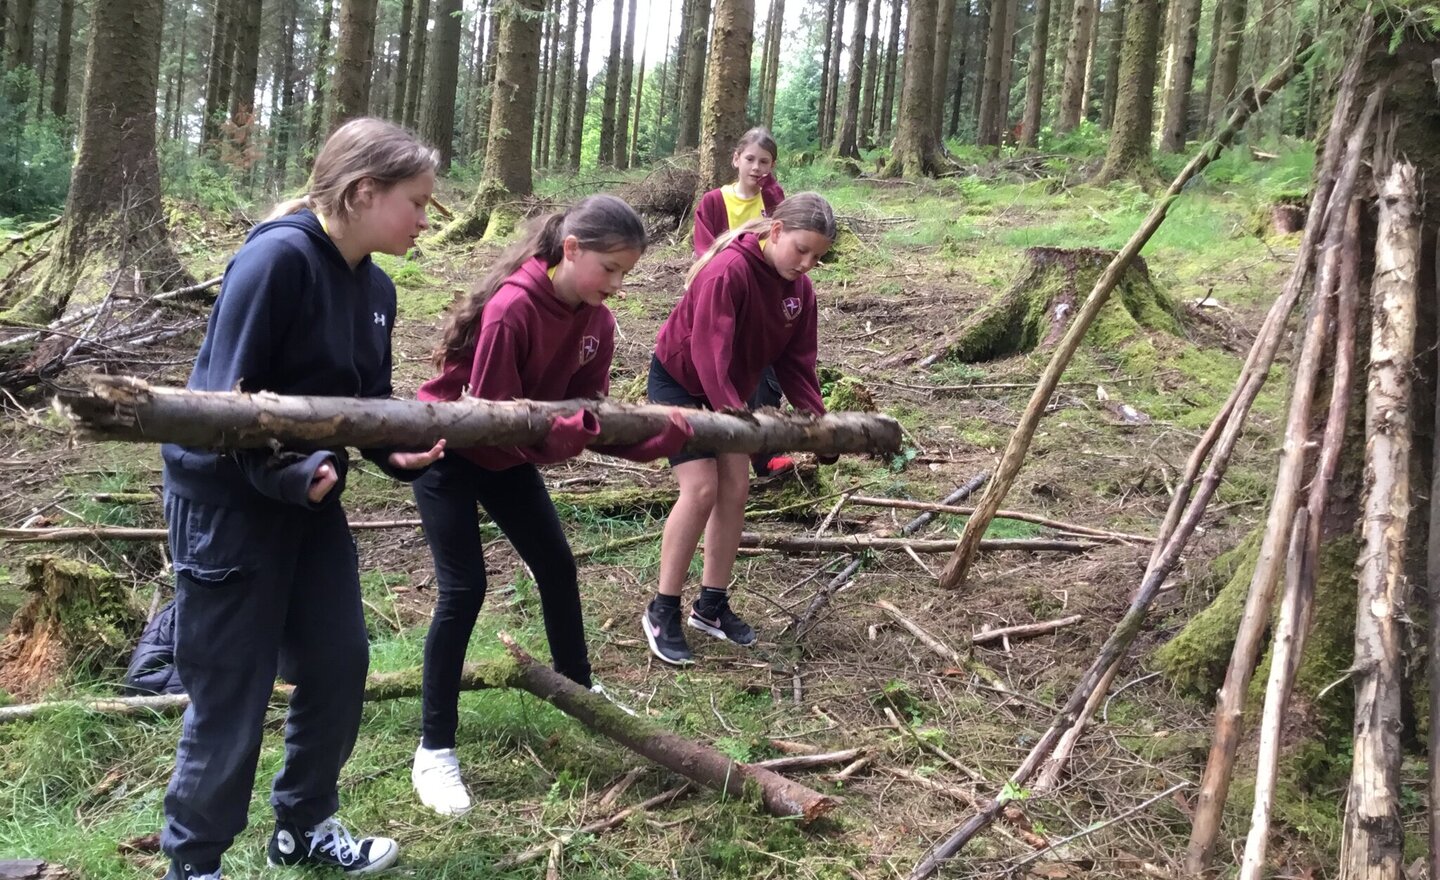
x: 124, y: 408
x: 860, y: 543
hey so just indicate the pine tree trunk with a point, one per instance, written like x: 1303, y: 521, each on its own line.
x: 693, y: 86
x: 322, y: 66
x: 772, y: 81
x: 885, y: 122
x: 234, y: 21
x: 420, y: 46
x: 443, y: 81
x: 581, y: 97
x: 565, y: 87
x: 60, y: 94
x: 606, y: 152
x: 179, y: 120
x: 286, y: 128
x: 4, y: 25
x: 832, y: 95
x: 916, y: 151
x: 114, y: 229
x: 21, y: 34
x: 167, y: 119
x: 1007, y: 68
x: 868, y: 91
x: 549, y: 31
x: 635, y: 128
x: 1077, y: 49
x: 1061, y: 14
x: 1035, y: 79
x: 1217, y: 24
x: 402, y: 63
x: 727, y: 86
x: 1128, y: 152
x: 247, y: 63
x: 957, y: 99
x: 352, y: 60
x: 833, y: 9
x: 847, y: 143
x: 1177, y: 98
x: 487, y: 80
x: 939, y: 91
x: 215, y: 66
x: 996, y: 56
x: 1227, y: 58
x: 1113, y: 57
x: 622, y: 115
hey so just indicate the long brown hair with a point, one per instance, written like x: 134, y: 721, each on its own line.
x: 362, y: 149
x: 601, y: 223
x: 805, y: 212
x: 761, y: 137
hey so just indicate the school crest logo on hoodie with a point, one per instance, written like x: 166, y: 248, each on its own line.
x: 791, y: 305
x: 589, y: 347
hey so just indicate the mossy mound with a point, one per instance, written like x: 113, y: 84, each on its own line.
x: 1195, y: 659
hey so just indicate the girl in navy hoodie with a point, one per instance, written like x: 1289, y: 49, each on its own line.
x: 748, y: 305
x: 266, y: 573
x: 536, y: 327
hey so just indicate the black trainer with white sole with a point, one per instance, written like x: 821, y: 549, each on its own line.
x: 715, y: 617
x: 329, y: 845
x: 662, y: 630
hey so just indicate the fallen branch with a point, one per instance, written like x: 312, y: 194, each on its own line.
x: 861, y: 543
x: 71, y: 534
x: 1013, y: 815
x: 953, y: 577
x: 123, y: 408
x: 1021, y: 516
x: 1024, y: 630
x: 806, y: 762
x: 942, y: 649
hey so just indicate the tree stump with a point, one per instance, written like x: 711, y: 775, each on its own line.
x: 75, y: 616
x: 1035, y: 312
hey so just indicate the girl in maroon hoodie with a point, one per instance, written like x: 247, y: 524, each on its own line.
x: 748, y: 305
x: 536, y: 327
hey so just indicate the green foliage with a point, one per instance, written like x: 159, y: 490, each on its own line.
x: 197, y: 180
x: 35, y: 152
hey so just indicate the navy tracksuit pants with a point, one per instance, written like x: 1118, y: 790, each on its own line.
x: 260, y: 591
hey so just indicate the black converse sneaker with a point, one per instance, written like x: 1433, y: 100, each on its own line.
x: 181, y: 871
x: 329, y: 845
x: 711, y: 613
x: 662, y: 630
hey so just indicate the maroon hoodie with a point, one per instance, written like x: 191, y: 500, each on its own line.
x: 738, y: 317
x: 529, y: 345
x: 713, y: 221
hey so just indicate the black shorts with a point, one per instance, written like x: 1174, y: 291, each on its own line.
x: 661, y: 387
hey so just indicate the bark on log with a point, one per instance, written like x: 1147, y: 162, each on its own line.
x: 694, y: 761
x: 123, y: 408
x: 1373, y: 832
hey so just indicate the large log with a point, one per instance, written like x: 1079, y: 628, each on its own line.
x: 123, y: 408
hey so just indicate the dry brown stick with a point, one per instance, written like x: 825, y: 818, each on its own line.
x: 1297, y: 603
x: 953, y: 576
x: 853, y: 767
x: 1432, y: 577
x: 71, y: 534
x: 961, y: 510
x: 1230, y: 705
x: 1373, y: 830
x: 595, y: 827
x: 1049, y: 777
x: 805, y: 762
x: 1024, y: 630
x: 621, y: 786
x: 124, y: 408
x: 944, y: 650
x: 859, y: 543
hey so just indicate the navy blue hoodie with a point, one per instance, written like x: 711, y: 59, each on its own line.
x: 293, y: 318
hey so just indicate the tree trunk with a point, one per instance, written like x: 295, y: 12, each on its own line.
x: 352, y: 60
x: 120, y: 408
x: 215, y: 71
x: 957, y: 99
x: 402, y: 63
x: 834, y: 9
x: 692, y: 90
x: 177, y: 124
x: 1177, y: 97
x: 634, y: 145
x: 1035, y: 78
x: 832, y: 93
x: 1128, y: 152
x: 565, y: 88
x: 1227, y: 57
x: 1113, y: 56
x: 605, y: 155
x: 420, y: 41
x: 939, y: 90
x: 1374, y: 835
x: 727, y: 85
x: 247, y: 64
x: 549, y: 75
x: 1007, y: 68
x: 322, y: 66
x: 21, y: 35
x: 487, y: 79
x: 443, y: 80
x: 1217, y: 23
x: 285, y: 129
x: 772, y: 81
x: 1076, y: 52
x: 60, y: 94
x: 892, y: 58
x: 868, y: 92
x: 114, y: 228
x: 621, y: 150
x: 234, y: 21
x: 996, y: 56
x: 582, y: 90
x: 916, y: 151
x: 847, y: 144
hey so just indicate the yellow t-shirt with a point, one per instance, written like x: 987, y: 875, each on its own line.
x: 741, y: 210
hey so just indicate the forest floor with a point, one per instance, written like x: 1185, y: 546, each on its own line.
x: 74, y: 788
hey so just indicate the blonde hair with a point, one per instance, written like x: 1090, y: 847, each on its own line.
x: 803, y: 212
x: 601, y: 223
x: 362, y: 149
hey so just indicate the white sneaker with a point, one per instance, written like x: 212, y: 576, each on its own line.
x: 436, y: 776
x: 599, y: 690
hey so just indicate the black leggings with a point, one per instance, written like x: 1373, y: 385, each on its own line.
x: 516, y: 499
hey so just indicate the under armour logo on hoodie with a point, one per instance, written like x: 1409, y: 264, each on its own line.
x: 380, y: 319
x: 589, y: 347
x: 791, y: 305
